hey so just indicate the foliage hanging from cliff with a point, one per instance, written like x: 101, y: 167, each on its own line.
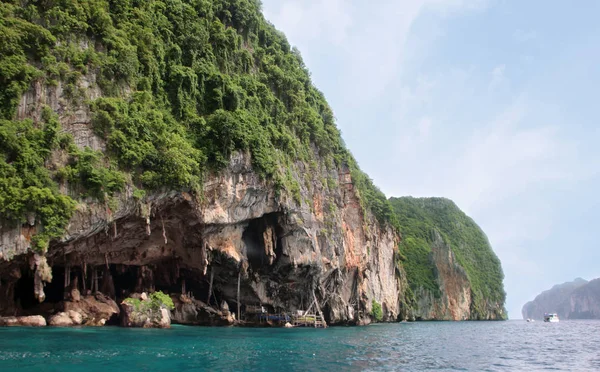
x: 185, y: 83
x: 376, y: 311
x: 26, y: 186
x: 418, y: 218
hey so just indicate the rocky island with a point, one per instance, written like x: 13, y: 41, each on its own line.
x: 170, y: 161
x: 578, y: 299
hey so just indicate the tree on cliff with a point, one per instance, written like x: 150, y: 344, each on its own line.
x: 183, y: 85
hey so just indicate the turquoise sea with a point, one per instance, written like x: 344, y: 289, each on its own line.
x: 477, y: 346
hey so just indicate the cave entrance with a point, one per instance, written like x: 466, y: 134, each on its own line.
x: 23, y: 295
x: 262, y: 239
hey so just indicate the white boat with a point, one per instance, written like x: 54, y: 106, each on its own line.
x: 551, y: 317
x: 530, y: 320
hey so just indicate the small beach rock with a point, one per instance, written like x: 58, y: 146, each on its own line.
x: 66, y: 319
x: 24, y: 321
x: 165, y: 319
x: 93, y: 310
x: 197, y: 312
x: 60, y: 320
x: 75, y: 295
x: 148, y: 313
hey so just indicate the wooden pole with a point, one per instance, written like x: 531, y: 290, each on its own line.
x: 84, y: 276
x: 95, y: 280
x: 210, y: 284
x: 238, y: 294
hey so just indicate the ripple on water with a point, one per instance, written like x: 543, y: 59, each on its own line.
x: 493, y: 346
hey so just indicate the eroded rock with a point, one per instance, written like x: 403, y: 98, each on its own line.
x: 66, y: 319
x: 194, y: 312
x: 144, y: 313
x: 23, y: 321
x: 94, y: 310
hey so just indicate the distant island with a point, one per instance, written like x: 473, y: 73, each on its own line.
x: 578, y: 299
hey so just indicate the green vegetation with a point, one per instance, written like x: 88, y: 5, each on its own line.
x: 376, y: 311
x: 184, y: 84
x: 154, y: 303
x: 26, y: 185
x: 418, y: 218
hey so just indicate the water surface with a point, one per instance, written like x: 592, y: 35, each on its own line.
x: 491, y: 346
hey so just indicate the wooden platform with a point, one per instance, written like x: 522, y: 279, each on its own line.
x: 309, y: 320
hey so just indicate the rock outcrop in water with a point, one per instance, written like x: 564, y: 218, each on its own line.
x: 451, y: 268
x: 181, y: 147
x: 578, y: 299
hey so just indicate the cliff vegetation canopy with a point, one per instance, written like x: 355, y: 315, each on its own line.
x: 419, y: 218
x: 184, y: 84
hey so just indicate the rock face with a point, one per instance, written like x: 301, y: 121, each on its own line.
x: 66, y: 319
x: 194, y: 312
x: 453, y: 300
x: 238, y: 239
x: 282, y: 250
x: 139, y: 313
x: 23, y: 321
x: 578, y: 299
x: 94, y: 310
x: 444, y: 252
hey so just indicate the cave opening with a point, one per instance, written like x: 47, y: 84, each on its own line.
x: 262, y: 239
x: 125, y: 279
x: 24, y: 297
x: 255, y: 244
x: 55, y: 290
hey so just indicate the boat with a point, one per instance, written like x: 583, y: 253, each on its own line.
x: 530, y: 320
x: 551, y: 317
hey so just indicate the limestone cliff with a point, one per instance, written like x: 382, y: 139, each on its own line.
x: 282, y: 250
x: 578, y: 299
x: 180, y: 146
x: 452, y: 271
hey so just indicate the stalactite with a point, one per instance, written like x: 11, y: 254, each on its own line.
x: 204, y: 258
x: 183, y: 286
x: 108, y: 285
x: 43, y: 273
x: 164, y: 233
x: 148, y: 230
x: 84, y: 276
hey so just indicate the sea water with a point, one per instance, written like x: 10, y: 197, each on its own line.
x: 492, y: 346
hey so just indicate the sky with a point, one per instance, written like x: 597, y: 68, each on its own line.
x: 491, y: 103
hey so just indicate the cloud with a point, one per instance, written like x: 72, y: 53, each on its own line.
x: 524, y: 36
x: 509, y: 156
x: 430, y: 111
x: 498, y: 78
x: 327, y: 20
x: 367, y: 39
x: 424, y: 127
